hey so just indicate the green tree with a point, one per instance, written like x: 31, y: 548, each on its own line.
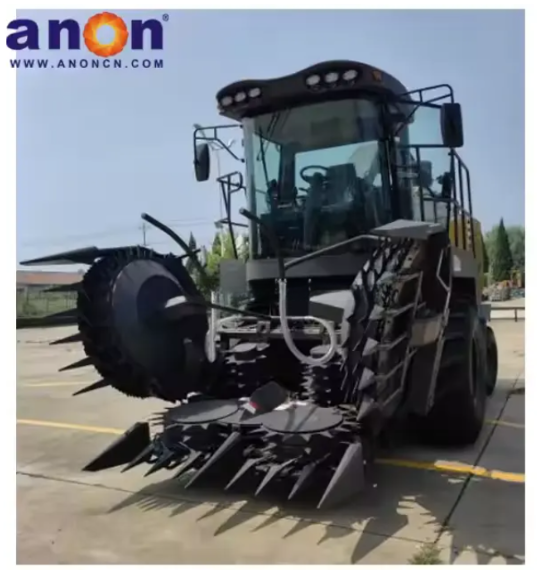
x: 502, y: 264
x: 209, y: 281
x: 244, y: 248
x: 517, y: 244
x: 486, y: 260
x: 222, y: 248
x: 217, y: 243
x: 193, y: 245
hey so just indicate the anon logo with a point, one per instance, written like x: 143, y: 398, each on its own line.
x: 68, y: 34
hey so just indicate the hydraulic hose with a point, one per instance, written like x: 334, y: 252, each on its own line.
x: 288, y: 338
x: 210, y: 338
x: 215, y: 323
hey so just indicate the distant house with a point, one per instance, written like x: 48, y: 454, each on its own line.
x: 38, y: 281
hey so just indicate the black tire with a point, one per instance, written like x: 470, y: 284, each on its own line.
x: 492, y: 360
x: 458, y: 413
x: 95, y: 324
x: 176, y: 371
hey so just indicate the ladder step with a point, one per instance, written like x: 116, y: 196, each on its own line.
x: 380, y: 312
x: 426, y: 330
x: 389, y: 345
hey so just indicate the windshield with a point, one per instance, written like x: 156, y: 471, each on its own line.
x: 318, y: 174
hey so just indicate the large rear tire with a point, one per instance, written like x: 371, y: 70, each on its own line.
x: 458, y: 413
x: 492, y: 360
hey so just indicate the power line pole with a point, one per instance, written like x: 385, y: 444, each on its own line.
x: 144, y: 233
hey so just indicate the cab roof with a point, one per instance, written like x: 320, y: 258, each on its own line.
x: 330, y: 80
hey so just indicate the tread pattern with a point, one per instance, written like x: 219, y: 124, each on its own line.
x: 99, y: 338
x: 456, y: 417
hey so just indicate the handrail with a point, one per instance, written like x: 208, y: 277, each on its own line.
x: 515, y: 308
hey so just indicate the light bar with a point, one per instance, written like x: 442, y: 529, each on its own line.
x: 240, y: 97
x: 331, y: 77
x: 350, y: 75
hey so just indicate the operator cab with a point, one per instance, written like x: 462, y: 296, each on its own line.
x: 327, y: 153
x: 315, y: 173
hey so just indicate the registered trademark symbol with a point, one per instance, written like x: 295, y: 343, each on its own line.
x: 165, y: 17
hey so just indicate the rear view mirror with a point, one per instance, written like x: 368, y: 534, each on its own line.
x: 451, y: 125
x: 202, y: 162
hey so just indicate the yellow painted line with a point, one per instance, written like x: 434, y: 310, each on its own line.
x: 56, y: 384
x: 506, y: 423
x: 79, y: 384
x: 501, y: 475
x: 426, y: 465
x: 72, y: 426
x: 438, y: 466
x: 459, y: 468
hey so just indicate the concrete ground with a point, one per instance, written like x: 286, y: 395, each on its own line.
x: 470, y: 503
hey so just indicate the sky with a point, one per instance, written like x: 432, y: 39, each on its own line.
x: 96, y: 148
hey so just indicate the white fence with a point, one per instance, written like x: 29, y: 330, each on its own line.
x: 515, y: 312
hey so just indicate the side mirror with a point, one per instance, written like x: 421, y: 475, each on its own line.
x: 451, y: 125
x: 202, y: 162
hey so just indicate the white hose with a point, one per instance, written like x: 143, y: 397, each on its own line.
x: 210, y: 338
x: 215, y: 323
x: 288, y: 338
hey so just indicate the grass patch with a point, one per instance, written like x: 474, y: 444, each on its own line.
x: 428, y: 554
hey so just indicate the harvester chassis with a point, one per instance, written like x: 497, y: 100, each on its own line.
x: 275, y: 399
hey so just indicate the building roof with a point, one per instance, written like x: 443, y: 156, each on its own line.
x: 48, y: 278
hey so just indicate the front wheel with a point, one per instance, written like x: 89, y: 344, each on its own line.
x: 458, y: 412
x: 492, y: 360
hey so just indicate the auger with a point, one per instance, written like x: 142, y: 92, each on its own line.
x: 364, y: 282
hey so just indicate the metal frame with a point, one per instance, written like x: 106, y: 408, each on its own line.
x: 459, y: 173
x: 228, y: 187
x: 215, y: 138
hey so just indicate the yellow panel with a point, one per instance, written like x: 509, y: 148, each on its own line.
x: 478, y: 239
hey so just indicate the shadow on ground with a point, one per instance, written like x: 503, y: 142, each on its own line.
x: 406, y: 504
